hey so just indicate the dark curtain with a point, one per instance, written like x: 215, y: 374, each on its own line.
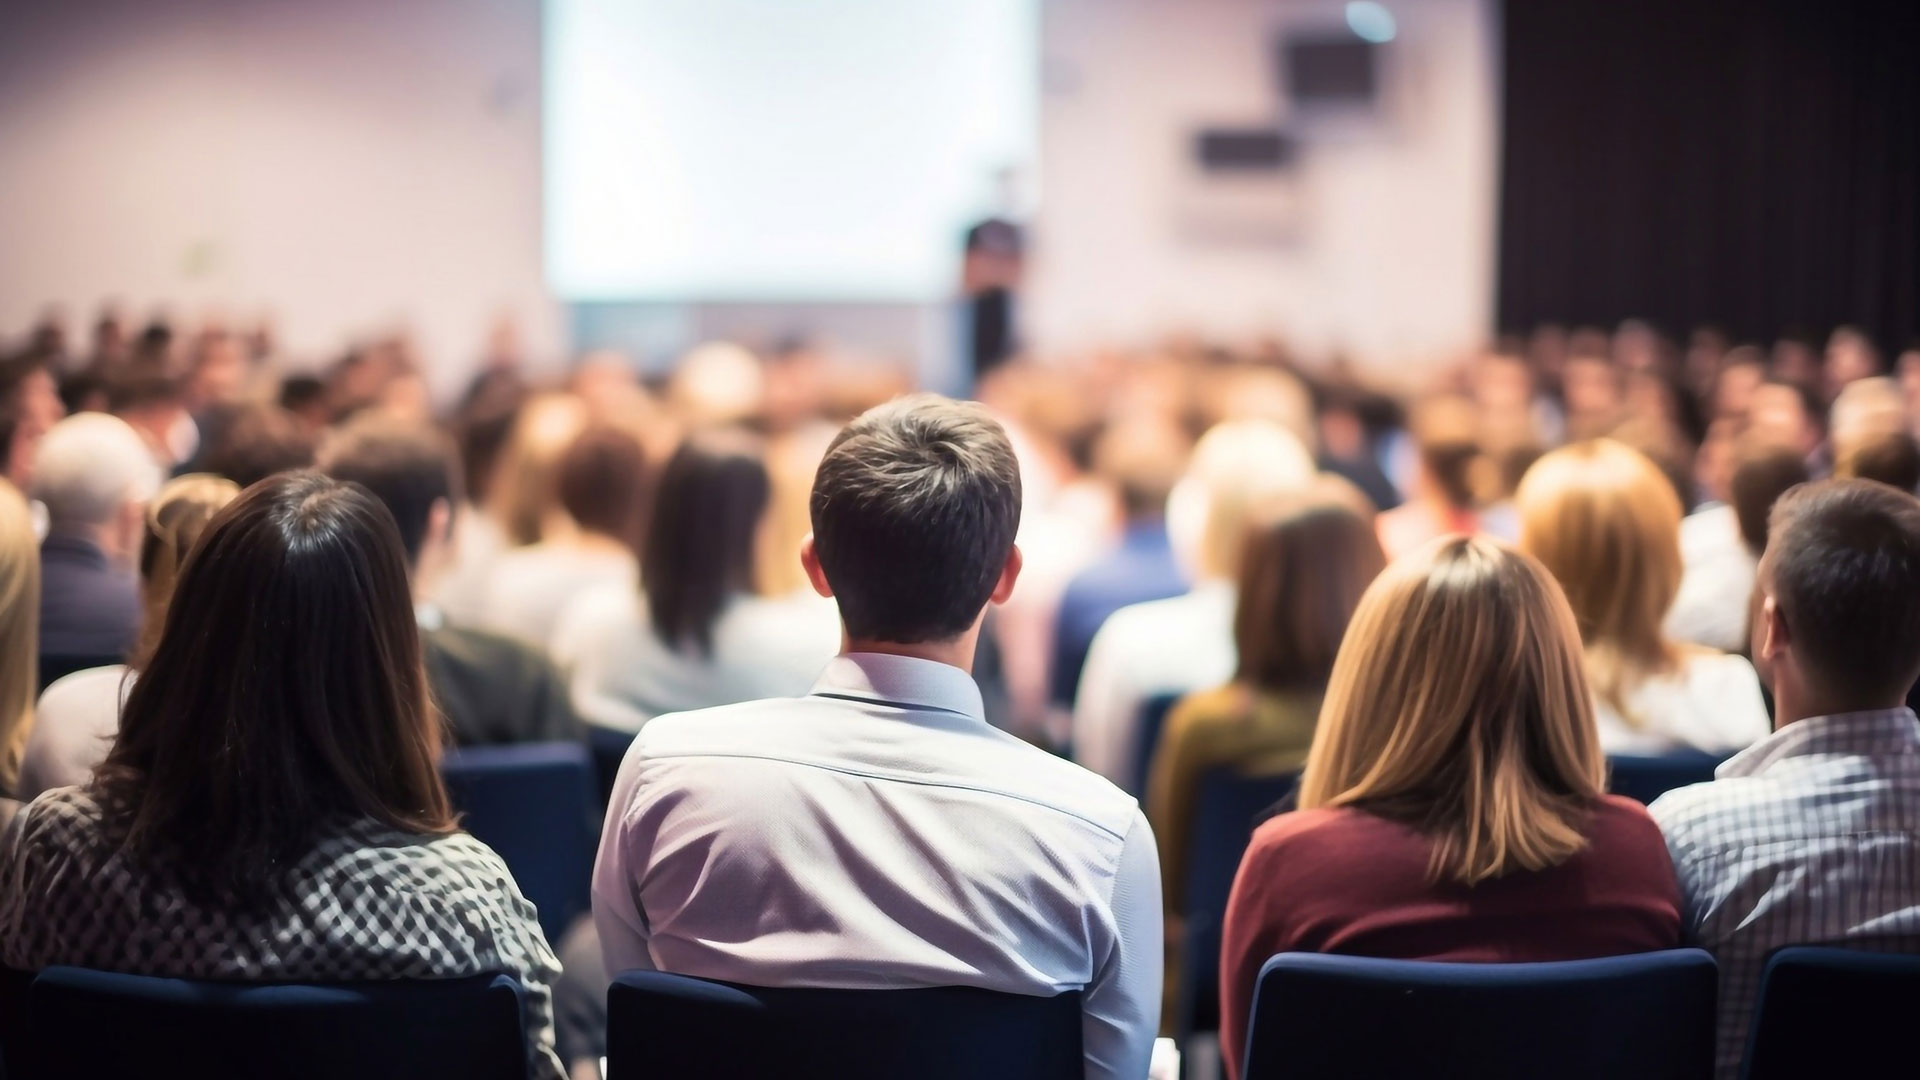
x: 1747, y: 164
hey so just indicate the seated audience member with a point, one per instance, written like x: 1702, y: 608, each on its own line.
x: 1142, y: 460
x: 489, y: 430
x: 1720, y: 549
x: 1789, y: 414
x: 30, y: 404
x: 889, y: 836
x: 274, y: 787
x: 1306, y: 562
x: 1811, y: 837
x: 154, y: 405
x: 587, y: 541
x: 1892, y: 458
x: 1452, y: 805
x: 94, y: 475
x: 697, y: 635
x: 255, y: 441
x: 19, y: 623
x: 1184, y: 643
x: 79, y: 714
x: 1444, y: 497
x: 491, y: 688
x: 1605, y: 521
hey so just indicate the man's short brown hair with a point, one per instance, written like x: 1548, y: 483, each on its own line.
x: 1843, y: 566
x: 914, y: 510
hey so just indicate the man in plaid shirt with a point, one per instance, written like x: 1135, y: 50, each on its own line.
x: 1812, y: 836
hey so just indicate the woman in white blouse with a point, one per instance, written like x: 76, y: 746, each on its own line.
x: 699, y: 634
x: 1606, y: 521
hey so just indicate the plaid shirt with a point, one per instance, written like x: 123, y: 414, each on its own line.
x: 368, y: 903
x: 1810, y: 837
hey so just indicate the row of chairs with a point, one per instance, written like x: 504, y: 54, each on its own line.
x: 1822, y: 1012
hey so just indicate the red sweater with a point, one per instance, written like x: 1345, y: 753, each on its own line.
x: 1345, y: 881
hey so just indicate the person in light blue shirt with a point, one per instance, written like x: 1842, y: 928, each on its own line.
x: 1812, y: 836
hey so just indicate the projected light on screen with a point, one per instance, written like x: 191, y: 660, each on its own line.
x: 779, y: 149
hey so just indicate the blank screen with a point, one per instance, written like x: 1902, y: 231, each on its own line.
x: 798, y: 150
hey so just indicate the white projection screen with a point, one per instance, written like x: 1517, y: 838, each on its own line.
x: 779, y: 150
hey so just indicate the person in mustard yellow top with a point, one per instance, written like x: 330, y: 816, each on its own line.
x: 1307, y: 560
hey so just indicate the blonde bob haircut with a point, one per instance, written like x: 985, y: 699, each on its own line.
x: 1458, y: 706
x: 19, y: 630
x: 1606, y: 521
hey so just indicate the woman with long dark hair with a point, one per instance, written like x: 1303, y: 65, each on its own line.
x: 274, y: 789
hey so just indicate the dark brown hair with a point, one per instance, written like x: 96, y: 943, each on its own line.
x: 1762, y: 473
x: 1843, y: 568
x: 699, y: 553
x: 285, y: 697
x: 406, y: 466
x: 914, y: 511
x: 1302, y: 574
x: 1891, y: 457
x: 603, y: 482
x: 256, y: 441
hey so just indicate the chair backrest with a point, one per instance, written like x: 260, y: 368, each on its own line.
x: 1648, y: 1016
x: 54, y: 668
x: 609, y: 748
x: 1227, y: 806
x: 1646, y: 777
x: 83, y: 1025
x: 1833, y: 1012
x: 671, y: 1026
x: 533, y: 804
x: 1152, y: 721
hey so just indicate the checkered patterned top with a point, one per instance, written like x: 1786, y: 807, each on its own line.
x: 368, y: 903
x: 1809, y: 837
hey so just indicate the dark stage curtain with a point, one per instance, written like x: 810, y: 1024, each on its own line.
x: 1748, y: 164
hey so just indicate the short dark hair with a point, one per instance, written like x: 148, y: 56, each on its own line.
x: 285, y: 697
x: 602, y: 482
x: 699, y: 554
x: 140, y: 385
x: 253, y: 442
x: 915, y: 507
x: 1843, y: 567
x: 1891, y: 457
x: 406, y: 466
x: 1762, y: 472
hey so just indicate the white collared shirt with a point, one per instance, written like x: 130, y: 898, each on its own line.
x: 1809, y: 837
x: 880, y: 833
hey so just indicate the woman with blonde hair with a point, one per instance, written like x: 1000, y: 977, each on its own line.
x: 19, y: 640
x: 80, y: 713
x: 1451, y: 807
x: 1605, y: 521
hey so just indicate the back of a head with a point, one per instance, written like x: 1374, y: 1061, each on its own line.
x: 284, y: 698
x: 19, y: 630
x: 1235, y: 466
x: 90, y: 466
x: 257, y: 442
x: 1459, y: 705
x: 699, y: 552
x: 915, y: 508
x: 407, y: 467
x: 524, y: 489
x: 1763, y: 471
x: 1891, y: 457
x: 176, y: 518
x: 1142, y: 458
x: 1446, y: 434
x: 603, y: 482
x: 1842, y: 568
x: 1605, y: 521
x: 1307, y: 561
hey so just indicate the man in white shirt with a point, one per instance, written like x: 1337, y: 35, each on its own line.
x: 879, y: 833
x: 1184, y: 644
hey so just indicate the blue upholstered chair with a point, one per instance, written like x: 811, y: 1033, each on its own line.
x: 1646, y: 777
x: 1227, y: 806
x: 609, y: 748
x: 1153, y: 721
x: 1834, y: 1012
x: 95, y: 1025
x: 669, y: 1027
x: 533, y: 804
x: 1648, y: 1016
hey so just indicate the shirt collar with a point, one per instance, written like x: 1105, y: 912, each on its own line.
x: 1877, y: 732
x: 903, y: 681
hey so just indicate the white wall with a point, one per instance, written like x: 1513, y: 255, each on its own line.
x: 1392, y: 253
x: 345, y: 164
